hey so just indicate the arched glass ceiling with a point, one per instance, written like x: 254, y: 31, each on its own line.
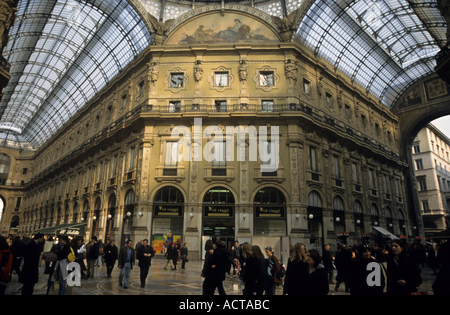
x: 381, y: 45
x: 62, y: 52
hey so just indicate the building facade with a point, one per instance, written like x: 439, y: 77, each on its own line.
x: 240, y: 97
x: 431, y: 149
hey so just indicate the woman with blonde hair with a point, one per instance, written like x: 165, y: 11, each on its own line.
x: 297, y: 271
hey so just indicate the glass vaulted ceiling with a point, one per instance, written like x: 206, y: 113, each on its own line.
x: 381, y: 45
x: 61, y: 54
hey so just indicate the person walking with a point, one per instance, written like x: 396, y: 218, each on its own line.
x: 274, y: 279
x: 432, y: 261
x: 207, y: 272
x: 6, y: 261
x: 236, y: 256
x: 175, y: 255
x: 357, y: 279
x: 184, y: 255
x: 60, y: 271
x: 403, y: 276
x: 297, y: 271
x: 317, y: 280
x: 30, y: 271
x: 441, y: 285
x: 80, y: 251
x: 343, y: 258
x: 101, y: 250
x: 18, y: 249
x: 220, y: 267
x: 169, y: 255
x: 328, y: 263
x: 111, y: 254
x: 145, y: 253
x: 127, y: 256
x: 92, y: 257
x: 255, y: 274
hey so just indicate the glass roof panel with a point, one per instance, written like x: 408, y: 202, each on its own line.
x: 62, y: 52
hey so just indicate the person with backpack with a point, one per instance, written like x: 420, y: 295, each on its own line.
x: 274, y: 267
x: 6, y: 260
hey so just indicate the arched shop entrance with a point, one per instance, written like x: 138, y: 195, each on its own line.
x: 168, y: 210
x: 218, y: 217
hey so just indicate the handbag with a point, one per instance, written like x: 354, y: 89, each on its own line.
x: 50, y: 257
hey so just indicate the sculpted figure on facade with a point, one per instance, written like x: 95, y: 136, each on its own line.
x: 198, y: 71
x: 243, y: 70
x: 285, y: 24
x: 161, y: 29
x: 291, y: 69
x: 153, y: 72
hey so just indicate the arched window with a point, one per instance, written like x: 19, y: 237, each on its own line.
x: 357, y: 206
x: 5, y: 163
x: 169, y: 195
x: 374, y: 210
x: 85, y: 210
x: 338, y: 204
x: 314, y: 200
x: 112, y: 201
x: 130, y: 197
x: 269, y: 195
x: 218, y: 195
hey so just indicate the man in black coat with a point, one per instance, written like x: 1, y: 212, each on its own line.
x: 92, y: 257
x: 111, y: 254
x: 327, y: 263
x: 30, y: 271
x: 18, y: 249
x: 221, y: 266
x: 145, y: 253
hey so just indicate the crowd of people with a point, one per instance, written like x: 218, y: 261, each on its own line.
x: 365, y: 270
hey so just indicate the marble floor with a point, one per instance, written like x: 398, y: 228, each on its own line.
x: 162, y: 282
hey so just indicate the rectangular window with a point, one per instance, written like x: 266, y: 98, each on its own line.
x: 267, y: 106
x: 377, y: 129
x: 97, y: 120
x: 108, y: 112
x: 220, y: 158
x: 355, y: 173
x: 313, y: 161
x: 347, y: 111
x: 221, y: 79
x: 266, y: 78
x: 171, y: 155
x: 132, y: 157
x: 175, y: 107
x: 114, y: 166
x: 141, y: 88
x: 336, y: 166
x: 100, y: 172
x: 422, y: 183
x: 363, y: 120
x: 329, y: 100
x: 397, y: 186
x: 371, y: 179
x: 386, y: 184
x: 221, y: 106
x: 425, y: 206
x: 306, y: 87
x: 25, y: 171
x: 176, y: 80
x: 419, y: 165
x: 124, y: 101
